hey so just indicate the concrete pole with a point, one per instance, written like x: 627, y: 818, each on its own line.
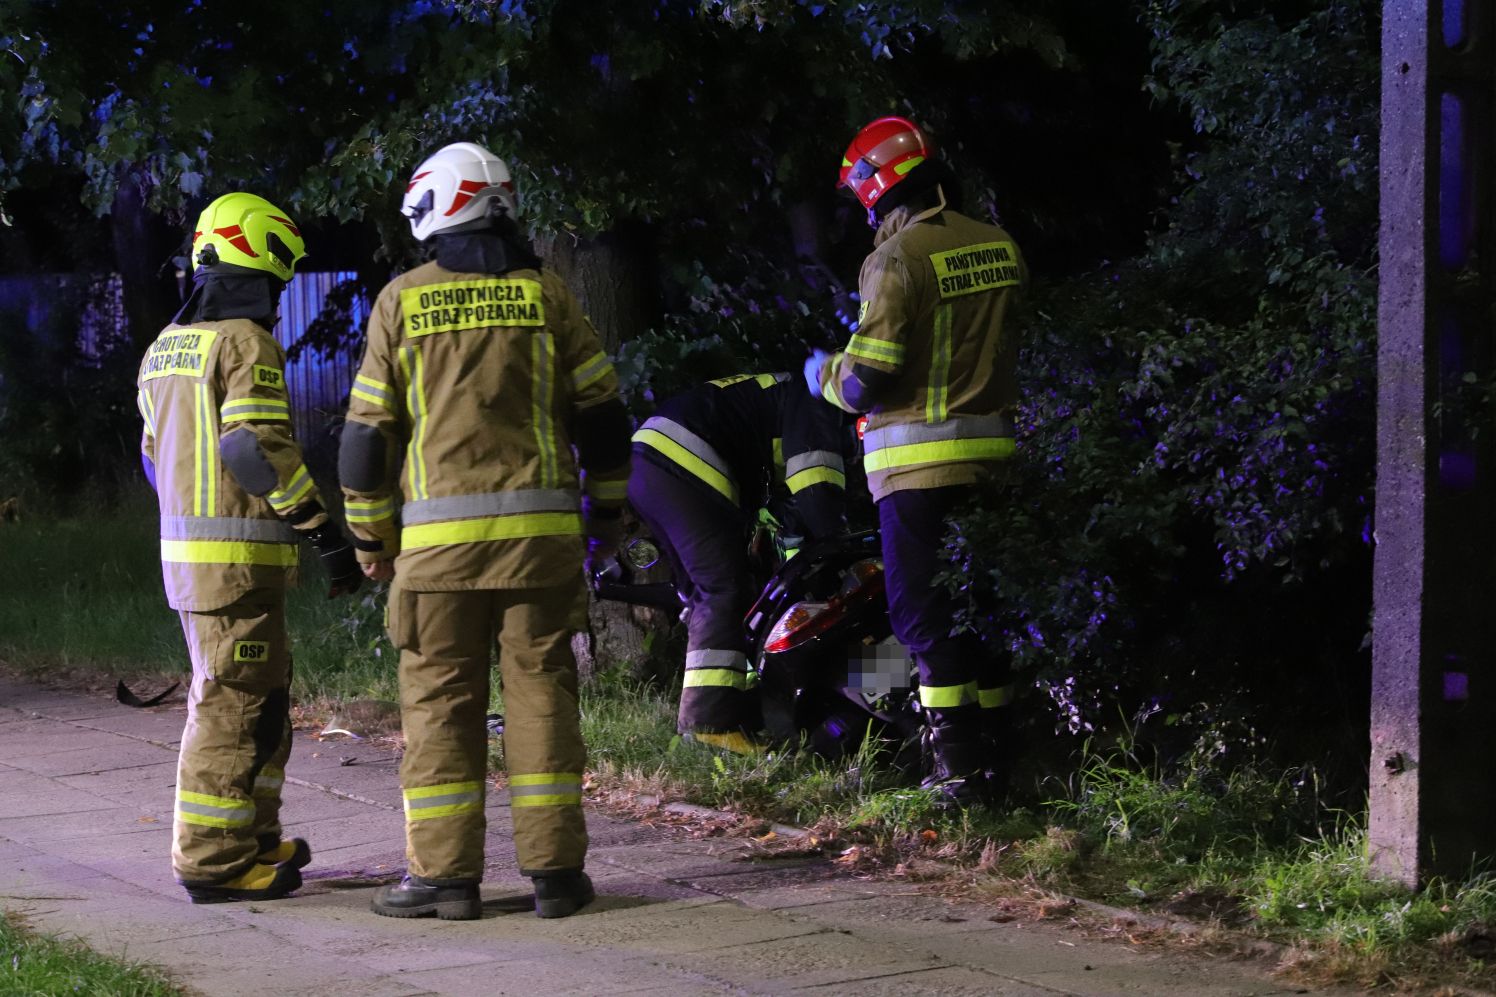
x: 1433, y: 720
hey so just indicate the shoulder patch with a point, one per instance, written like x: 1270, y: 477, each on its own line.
x: 269, y: 377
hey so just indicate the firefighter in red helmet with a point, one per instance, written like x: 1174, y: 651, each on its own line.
x: 933, y: 363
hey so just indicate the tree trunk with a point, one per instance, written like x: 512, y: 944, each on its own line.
x: 142, y: 243
x: 612, y: 275
x: 614, y: 278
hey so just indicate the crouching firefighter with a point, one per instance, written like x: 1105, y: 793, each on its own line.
x: 934, y: 366
x: 704, y: 464
x: 480, y: 376
x: 235, y: 497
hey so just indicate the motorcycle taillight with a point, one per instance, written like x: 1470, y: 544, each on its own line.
x: 806, y: 620
x: 792, y: 628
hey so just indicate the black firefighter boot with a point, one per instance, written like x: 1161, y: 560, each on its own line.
x: 413, y: 896
x: 562, y: 893
x: 958, y: 756
x: 1003, y: 746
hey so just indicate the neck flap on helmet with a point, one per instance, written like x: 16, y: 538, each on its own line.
x: 217, y: 296
x: 495, y: 250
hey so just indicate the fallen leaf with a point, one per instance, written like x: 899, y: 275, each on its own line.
x: 928, y: 834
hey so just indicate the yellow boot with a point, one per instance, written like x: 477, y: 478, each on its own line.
x: 735, y: 741
x: 295, y: 853
x: 259, y: 882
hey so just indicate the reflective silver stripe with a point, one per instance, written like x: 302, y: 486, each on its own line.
x: 412, y: 805
x: 225, y: 528
x: 711, y: 658
x: 962, y: 427
x: 699, y: 448
x: 546, y: 789
x: 813, y: 458
x: 436, y: 510
x: 591, y: 371
x: 542, y: 388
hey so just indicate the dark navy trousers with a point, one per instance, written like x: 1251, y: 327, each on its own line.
x: 705, y: 539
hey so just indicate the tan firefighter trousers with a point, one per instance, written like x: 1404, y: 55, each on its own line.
x: 238, y: 737
x: 446, y: 641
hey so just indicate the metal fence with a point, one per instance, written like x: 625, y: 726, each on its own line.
x: 317, y: 383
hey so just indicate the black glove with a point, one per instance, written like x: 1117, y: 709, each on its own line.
x: 337, y: 559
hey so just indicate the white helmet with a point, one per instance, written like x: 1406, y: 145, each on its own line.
x: 458, y: 185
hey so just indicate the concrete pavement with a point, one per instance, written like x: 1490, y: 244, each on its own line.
x: 85, y: 827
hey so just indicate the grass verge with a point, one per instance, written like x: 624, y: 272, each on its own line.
x: 1206, y: 837
x: 39, y: 966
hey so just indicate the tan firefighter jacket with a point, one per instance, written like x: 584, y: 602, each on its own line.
x: 931, y: 361
x: 465, y: 405
x: 218, y: 430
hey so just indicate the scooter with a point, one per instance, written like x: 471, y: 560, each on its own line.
x: 830, y: 671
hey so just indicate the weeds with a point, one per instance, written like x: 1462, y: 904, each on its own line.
x: 36, y: 964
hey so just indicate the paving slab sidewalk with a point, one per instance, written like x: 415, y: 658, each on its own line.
x: 85, y: 828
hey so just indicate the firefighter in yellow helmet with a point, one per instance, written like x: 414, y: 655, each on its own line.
x: 934, y: 365
x: 483, y: 389
x: 235, y: 497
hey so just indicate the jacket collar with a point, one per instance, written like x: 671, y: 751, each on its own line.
x: 903, y: 216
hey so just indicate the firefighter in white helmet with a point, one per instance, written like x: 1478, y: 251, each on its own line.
x: 485, y: 439
x: 235, y: 497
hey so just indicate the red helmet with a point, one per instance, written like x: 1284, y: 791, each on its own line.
x: 880, y: 156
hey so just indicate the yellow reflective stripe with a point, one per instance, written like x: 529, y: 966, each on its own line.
x: 300, y: 485
x: 981, y: 448
x: 545, y: 789
x: 589, y: 373
x: 445, y: 800
x: 269, y: 409
x: 1001, y: 696
x: 213, y: 811
x: 769, y: 380
x: 228, y: 552
x: 442, y: 789
x: 801, y: 480
x: 372, y: 399
x: 831, y: 383
x: 205, y: 455
x: 361, y: 511
x: 374, y: 392
x: 607, y: 489
x: 719, y: 678
x: 878, y: 350
x: 269, y: 781
x: 415, y: 400
x: 464, y: 531
x: 147, y: 410
x: 908, y: 164
x: 542, y: 387
x: 686, y: 459
x: 548, y: 800
x: 544, y: 778
x: 938, y: 387
x: 944, y: 697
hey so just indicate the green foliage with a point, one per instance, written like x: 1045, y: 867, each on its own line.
x: 41, y: 966
x: 1182, y: 812
x: 67, y: 419
x: 1198, y: 425
x: 203, y: 99
x: 752, y: 316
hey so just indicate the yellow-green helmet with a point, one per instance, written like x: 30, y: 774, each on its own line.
x: 248, y: 232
